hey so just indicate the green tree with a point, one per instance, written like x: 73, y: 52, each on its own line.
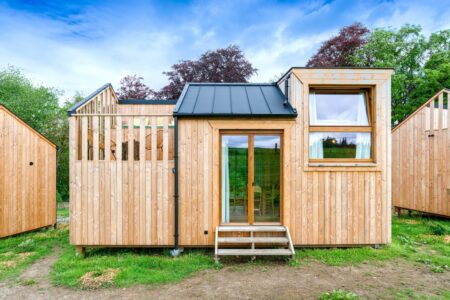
x: 38, y: 106
x: 61, y: 137
x: 436, y: 71
x: 420, y: 65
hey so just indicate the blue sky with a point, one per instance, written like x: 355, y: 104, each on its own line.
x: 80, y: 45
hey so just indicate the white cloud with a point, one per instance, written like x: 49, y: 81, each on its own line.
x: 104, y: 43
x: 47, y: 51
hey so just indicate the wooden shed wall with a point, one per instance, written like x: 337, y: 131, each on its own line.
x: 334, y: 204
x: 27, y: 192
x: 121, y: 200
x: 421, y: 159
x: 145, y: 109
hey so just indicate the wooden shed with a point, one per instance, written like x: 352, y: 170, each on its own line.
x: 421, y: 158
x: 304, y: 161
x: 27, y: 177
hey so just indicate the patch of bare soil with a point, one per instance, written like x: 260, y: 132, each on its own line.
x: 447, y: 239
x: 277, y: 281
x: 92, y: 280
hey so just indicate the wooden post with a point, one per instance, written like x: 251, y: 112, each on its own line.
x: 80, y: 250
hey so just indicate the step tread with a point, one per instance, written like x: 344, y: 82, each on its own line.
x: 268, y: 228
x: 246, y: 240
x: 254, y: 252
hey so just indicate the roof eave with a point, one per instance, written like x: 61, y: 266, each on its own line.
x: 77, y: 105
x: 206, y: 115
x: 31, y: 127
x: 147, y: 102
x: 181, y: 98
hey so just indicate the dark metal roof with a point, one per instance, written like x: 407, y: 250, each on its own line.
x: 233, y: 100
x: 149, y: 101
x: 73, y: 109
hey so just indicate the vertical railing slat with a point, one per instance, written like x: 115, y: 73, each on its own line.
x: 166, y: 178
x: 119, y: 166
x: 130, y: 201
x: 74, y: 224
x: 108, y: 194
x: 154, y: 153
x: 142, y: 210
x: 84, y: 178
x: 96, y: 198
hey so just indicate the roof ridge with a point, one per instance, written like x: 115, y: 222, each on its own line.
x: 14, y: 115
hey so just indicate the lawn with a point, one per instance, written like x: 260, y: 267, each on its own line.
x: 424, y: 241
x: 63, y: 212
x: 18, y: 252
x: 416, y: 239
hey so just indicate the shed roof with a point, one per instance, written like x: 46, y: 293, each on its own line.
x: 77, y: 105
x: 11, y: 113
x: 233, y: 100
x: 148, y: 101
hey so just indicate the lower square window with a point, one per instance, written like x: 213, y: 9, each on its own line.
x: 340, y: 145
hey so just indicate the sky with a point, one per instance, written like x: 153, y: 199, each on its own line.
x: 77, y: 46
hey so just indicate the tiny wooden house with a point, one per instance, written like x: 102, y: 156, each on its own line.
x: 421, y: 158
x: 27, y: 177
x: 304, y: 161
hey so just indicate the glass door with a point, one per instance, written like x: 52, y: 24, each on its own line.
x: 250, y: 177
x: 234, y: 179
x: 266, y: 181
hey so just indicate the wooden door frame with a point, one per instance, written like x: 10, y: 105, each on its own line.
x: 251, y: 172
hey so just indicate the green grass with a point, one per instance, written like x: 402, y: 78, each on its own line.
x: 134, y: 266
x: 337, y: 152
x: 412, y: 239
x: 411, y: 294
x: 18, y: 252
x: 338, y: 295
x: 62, y: 212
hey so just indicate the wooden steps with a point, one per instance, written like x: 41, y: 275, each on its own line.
x: 250, y: 228
x: 271, y: 240
x: 250, y: 240
x: 254, y: 252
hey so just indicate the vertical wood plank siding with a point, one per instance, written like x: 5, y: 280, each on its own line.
x: 322, y: 205
x: 421, y: 159
x: 121, y: 191
x: 27, y: 192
